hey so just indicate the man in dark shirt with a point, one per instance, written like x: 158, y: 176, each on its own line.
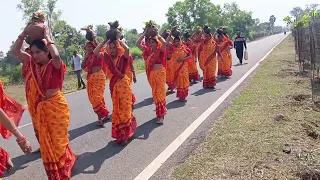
x: 239, y: 45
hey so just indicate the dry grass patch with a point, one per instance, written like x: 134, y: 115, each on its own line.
x: 270, y: 132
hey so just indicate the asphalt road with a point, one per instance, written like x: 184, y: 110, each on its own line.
x: 101, y: 158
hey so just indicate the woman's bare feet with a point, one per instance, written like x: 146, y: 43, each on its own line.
x: 106, y: 119
x: 9, y: 165
x: 160, y: 120
x: 124, y: 143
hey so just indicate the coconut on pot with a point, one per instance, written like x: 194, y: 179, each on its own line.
x: 198, y: 30
x: 150, y: 29
x: 36, y: 27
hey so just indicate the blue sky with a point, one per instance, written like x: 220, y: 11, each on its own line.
x: 130, y: 13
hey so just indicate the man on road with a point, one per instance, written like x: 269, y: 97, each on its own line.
x: 239, y: 44
x: 77, y: 60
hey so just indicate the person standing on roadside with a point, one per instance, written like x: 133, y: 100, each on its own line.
x: 77, y: 60
x: 239, y: 45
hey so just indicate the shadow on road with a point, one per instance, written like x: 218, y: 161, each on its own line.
x: 203, y: 91
x: 74, y: 133
x: 240, y: 64
x: 96, y: 159
x: 176, y: 104
x: 144, y: 130
x: 145, y: 102
x: 21, y: 161
x: 221, y: 79
x: 193, y: 83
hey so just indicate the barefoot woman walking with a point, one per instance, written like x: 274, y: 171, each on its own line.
x: 43, y: 72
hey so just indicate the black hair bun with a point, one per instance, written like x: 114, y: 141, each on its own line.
x: 219, y: 31
x: 165, y: 34
x: 206, y: 29
x: 186, y: 34
x: 175, y: 32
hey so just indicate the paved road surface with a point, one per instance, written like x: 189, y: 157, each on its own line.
x: 101, y: 158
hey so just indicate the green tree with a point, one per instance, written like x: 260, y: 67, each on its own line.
x: 272, y: 20
x: 1, y: 55
x: 288, y: 20
x: 297, y: 12
x: 188, y: 14
x: 101, y: 30
x: 28, y: 7
x: 237, y: 20
x: 10, y: 59
x: 131, y: 37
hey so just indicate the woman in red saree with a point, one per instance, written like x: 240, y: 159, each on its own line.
x: 224, y: 61
x: 123, y: 122
x: 43, y: 72
x: 10, y: 115
x: 180, y: 57
x: 96, y: 82
x: 193, y: 68
x: 208, y: 51
x: 156, y: 72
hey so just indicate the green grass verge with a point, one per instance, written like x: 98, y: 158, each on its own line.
x: 248, y: 143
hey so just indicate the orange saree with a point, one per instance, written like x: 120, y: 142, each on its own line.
x: 208, y: 62
x: 224, y: 61
x: 193, y: 68
x: 170, y: 69
x: 157, y: 81
x: 52, y: 118
x: 96, y: 84
x: 14, y: 111
x: 181, y: 73
x: 123, y: 122
x: 128, y: 69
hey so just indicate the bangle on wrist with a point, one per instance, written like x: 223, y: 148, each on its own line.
x: 21, y: 140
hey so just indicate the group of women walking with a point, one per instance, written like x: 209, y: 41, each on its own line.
x: 169, y: 60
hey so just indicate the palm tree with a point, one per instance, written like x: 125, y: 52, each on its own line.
x: 272, y: 20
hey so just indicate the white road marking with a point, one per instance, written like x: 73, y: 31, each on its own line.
x: 24, y: 125
x: 164, y: 155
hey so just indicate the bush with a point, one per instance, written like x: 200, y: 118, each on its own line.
x: 12, y: 74
x: 136, y: 53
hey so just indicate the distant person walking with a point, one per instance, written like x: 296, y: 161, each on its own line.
x: 77, y: 60
x: 239, y: 45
